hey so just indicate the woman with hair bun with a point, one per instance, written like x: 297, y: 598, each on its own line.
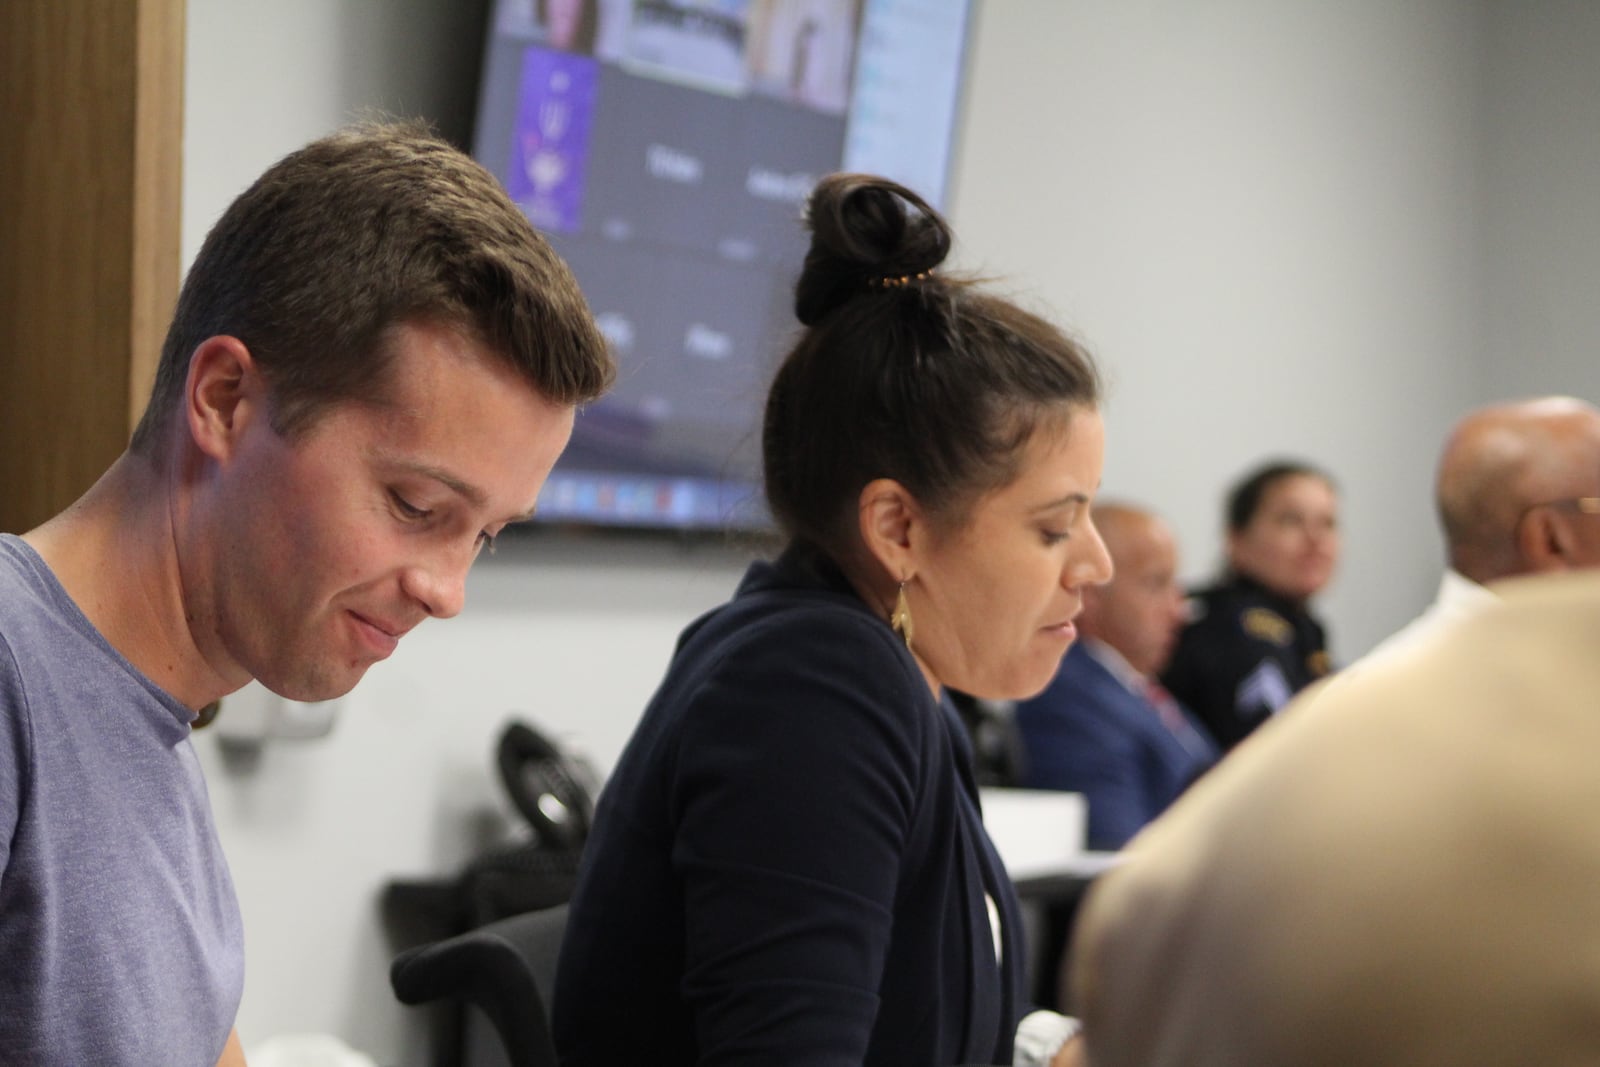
x: 788, y: 865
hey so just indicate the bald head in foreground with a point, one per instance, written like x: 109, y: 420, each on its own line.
x: 1518, y: 492
x: 1401, y: 874
x: 1519, y: 489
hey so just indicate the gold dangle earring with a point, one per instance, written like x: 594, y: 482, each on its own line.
x: 900, y: 621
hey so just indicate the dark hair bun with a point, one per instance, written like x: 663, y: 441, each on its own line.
x: 864, y: 229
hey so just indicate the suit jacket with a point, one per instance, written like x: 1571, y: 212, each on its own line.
x: 1089, y: 733
x: 788, y: 865
x: 1404, y: 871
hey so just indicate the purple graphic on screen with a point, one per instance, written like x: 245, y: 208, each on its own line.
x: 550, y: 143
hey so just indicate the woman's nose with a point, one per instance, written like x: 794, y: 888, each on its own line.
x: 1094, y: 566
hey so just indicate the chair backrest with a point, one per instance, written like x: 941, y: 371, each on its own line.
x: 507, y: 969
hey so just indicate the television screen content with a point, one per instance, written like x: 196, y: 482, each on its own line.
x: 666, y: 148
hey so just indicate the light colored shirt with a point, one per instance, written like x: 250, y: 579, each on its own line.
x: 1459, y: 598
x: 1399, y: 872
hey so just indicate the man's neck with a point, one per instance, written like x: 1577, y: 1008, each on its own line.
x: 1115, y: 662
x: 114, y: 553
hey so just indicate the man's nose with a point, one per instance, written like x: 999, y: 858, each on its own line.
x: 439, y: 584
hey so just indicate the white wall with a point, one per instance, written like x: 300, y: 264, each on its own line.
x: 1542, y: 260
x: 1262, y: 215
x: 1285, y: 226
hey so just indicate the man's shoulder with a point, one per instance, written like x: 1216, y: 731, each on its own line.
x: 24, y: 608
x: 1457, y: 600
x: 27, y: 589
x: 1384, y: 764
x: 50, y: 653
x: 34, y: 612
x: 16, y: 566
x: 1085, y: 689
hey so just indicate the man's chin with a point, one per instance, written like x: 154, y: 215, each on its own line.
x: 314, y: 690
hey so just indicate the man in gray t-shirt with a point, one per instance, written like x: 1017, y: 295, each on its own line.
x: 108, y: 823
x: 373, y: 364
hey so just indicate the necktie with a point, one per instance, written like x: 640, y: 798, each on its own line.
x: 1173, y: 718
x: 1166, y: 707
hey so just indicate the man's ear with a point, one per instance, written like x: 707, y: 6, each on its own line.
x: 1545, y: 540
x: 221, y: 394
x: 889, y: 519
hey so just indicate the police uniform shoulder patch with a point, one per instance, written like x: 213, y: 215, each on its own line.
x: 1267, y: 625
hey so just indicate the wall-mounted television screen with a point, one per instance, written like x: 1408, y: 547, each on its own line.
x: 666, y: 148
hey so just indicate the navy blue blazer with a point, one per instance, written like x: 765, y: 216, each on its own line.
x: 1087, y: 733
x: 788, y: 865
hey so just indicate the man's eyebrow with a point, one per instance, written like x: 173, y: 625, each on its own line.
x: 471, y: 493
x: 466, y: 490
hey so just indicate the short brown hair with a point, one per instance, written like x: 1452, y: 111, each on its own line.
x: 903, y: 372
x: 341, y: 241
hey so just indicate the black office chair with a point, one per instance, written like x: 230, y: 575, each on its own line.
x: 998, y: 757
x: 507, y: 969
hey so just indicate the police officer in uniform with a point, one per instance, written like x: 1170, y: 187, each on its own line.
x: 1252, y: 642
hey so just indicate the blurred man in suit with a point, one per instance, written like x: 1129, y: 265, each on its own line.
x: 1104, y: 727
x: 1399, y: 873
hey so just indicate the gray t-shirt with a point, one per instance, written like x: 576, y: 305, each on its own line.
x: 120, y: 938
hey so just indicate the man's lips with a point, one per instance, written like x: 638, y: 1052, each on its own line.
x: 381, y: 634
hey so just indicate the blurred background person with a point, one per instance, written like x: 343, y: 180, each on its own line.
x: 1105, y: 727
x: 802, y: 50
x: 1252, y: 641
x: 570, y: 25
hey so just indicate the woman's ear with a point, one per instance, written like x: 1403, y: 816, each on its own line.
x: 888, y: 515
x: 222, y: 390
x: 1231, y: 543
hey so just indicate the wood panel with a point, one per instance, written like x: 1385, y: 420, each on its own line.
x: 157, y: 191
x: 90, y: 157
